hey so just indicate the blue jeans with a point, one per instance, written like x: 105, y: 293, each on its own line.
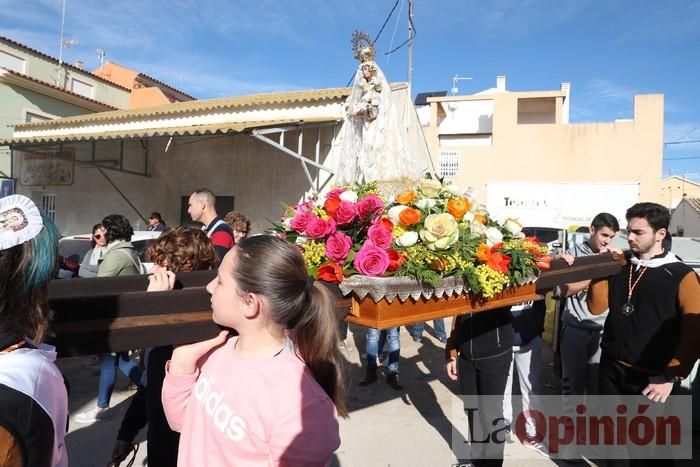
x: 108, y: 375
x: 375, y: 343
x: 438, y: 325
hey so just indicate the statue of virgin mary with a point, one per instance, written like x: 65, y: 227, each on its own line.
x: 374, y: 145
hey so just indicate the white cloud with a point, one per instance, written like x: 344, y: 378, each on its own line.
x: 607, y: 90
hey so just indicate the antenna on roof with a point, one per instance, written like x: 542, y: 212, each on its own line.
x: 63, y: 43
x: 101, y: 56
x: 456, y: 78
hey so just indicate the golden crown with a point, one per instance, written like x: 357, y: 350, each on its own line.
x: 363, y: 47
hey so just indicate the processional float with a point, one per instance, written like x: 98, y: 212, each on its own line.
x: 392, y: 243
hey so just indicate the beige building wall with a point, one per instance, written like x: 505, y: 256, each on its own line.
x: 674, y: 189
x: 259, y: 176
x: 531, y: 141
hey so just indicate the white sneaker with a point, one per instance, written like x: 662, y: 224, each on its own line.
x: 538, y: 447
x: 93, y: 415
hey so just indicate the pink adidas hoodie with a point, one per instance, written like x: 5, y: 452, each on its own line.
x: 245, y: 412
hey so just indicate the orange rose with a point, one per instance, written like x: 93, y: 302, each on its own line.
x: 480, y: 218
x: 458, y: 207
x: 409, y: 216
x: 331, y: 206
x: 406, y: 197
x: 483, y: 253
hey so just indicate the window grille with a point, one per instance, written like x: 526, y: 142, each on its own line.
x: 448, y: 164
x: 48, y: 205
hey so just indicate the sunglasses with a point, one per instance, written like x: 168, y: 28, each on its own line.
x: 97, y: 236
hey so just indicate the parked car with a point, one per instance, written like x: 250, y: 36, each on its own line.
x: 554, y: 238
x: 74, y: 247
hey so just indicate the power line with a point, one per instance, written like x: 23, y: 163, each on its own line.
x: 379, y: 33
x: 683, y: 142
x: 410, y: 39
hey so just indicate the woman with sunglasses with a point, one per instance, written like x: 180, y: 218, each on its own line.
x: 88, y: 268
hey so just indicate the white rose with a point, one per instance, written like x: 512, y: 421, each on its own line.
x: 320, y: 199
x: 468, y: 217
x: 424, y: 203
x: 349, y: 196
x: 477, y: 228
x: 454, y: 189
x: 300, y: 240
x: 493, y: 236
x: 407, y: 239
x: 287, y: 223
x: 394, y: 213
x: 512, y: 226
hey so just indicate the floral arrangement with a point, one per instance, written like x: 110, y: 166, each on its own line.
x: 428, y: 233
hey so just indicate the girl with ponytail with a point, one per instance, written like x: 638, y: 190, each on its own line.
x: 270, y: 395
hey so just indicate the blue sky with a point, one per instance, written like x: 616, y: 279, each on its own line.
x: 608, y: 50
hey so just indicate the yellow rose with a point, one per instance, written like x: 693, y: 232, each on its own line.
x: 430, y: 187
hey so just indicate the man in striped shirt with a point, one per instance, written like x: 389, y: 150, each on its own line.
x: 202, y: 208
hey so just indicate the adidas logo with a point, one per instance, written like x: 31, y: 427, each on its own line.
x: 221, y: 413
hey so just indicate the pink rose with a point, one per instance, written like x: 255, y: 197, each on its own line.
x: 379, y: 236
x: 304, y: 207
x: 369, y: 206
x: 371, y: 261
x: 345, y: 213
x: 319, y: 229
x: 301, y: 221
x: 334, y: 193
x: 338, y: 246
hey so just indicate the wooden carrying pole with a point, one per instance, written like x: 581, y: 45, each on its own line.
x: 116, y: 314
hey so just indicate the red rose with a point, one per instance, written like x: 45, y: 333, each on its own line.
x: 396, y: 259
x: 330, y: 272
x: 345, y: 213
x: 386, y: 223
x: 369, y: 206
x: 331, y: 206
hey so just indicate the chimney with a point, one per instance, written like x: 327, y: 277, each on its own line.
x: 501, y: 83
x: 566, y: 89
x: 79, y: 64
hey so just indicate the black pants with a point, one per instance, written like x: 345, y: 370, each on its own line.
x: 485, y: 377
x: 615, y: 379
x: 162, y: 441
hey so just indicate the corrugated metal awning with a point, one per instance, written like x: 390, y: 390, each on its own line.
x: 280, y: 99
x: 194, y: 130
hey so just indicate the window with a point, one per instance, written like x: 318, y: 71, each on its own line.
x: 11, y: 62
x: 448, y: 164
x: 30, y: 117
x: 48, y: 205
x: 82, y: 88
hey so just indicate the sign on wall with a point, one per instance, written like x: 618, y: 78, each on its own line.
x: 559, y: 204
x: 47, y: 167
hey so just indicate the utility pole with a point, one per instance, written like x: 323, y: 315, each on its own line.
x: 410, y: 44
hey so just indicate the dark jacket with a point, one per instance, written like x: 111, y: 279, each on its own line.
x: 481, y: 335
x: 649, y: 336
x: 528, y: 322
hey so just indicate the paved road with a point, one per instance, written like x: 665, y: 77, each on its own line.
x: 385, y: 428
